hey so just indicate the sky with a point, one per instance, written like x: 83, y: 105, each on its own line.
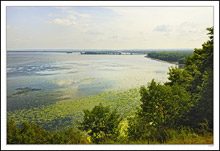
x: 107, y: 27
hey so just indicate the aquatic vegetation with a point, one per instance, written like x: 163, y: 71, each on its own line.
x: 31, y: 99
x: 65, y: 113
x: 25, y: 90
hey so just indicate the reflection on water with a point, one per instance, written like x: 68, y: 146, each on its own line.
x: 74, y: 75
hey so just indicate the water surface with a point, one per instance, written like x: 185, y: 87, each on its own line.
x: 36, y: 78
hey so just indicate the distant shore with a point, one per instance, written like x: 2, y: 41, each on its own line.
x: 171, y: 62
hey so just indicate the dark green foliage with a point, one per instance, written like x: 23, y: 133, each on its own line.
x: 197, y: 78
x: 137, y: 128
x: 34, y: 134
x: 163, y: 104
x: 27, y: 134
x: 168, y: 56
x: 162, y: 107
x: 203, y: 109
x: 182, y: 60
x: 13, y: 136
x: 25, y: 90
x: 206, y: 99
x: 140, y: 130
x: 69, y: 136
x: 181, y: 77
x: 186, y: 100
x: 202, y: 85
x: 101, y: 123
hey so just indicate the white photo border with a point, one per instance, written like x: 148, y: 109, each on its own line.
x: 214, y: 4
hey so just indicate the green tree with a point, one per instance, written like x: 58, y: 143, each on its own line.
x: 163, y: 104
x: 34, y: 134
x: 69, y: 136
x: 202, y: 84
x: 169, y: 56
x: 179, y: 76
x: 202, y: 112
x: 101, y: 124
x: 162, y: 107
x: 139, y: 129
x: 27, y: 134
x: 181, y: 60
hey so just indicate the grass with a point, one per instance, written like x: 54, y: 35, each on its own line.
x: 194, y: 139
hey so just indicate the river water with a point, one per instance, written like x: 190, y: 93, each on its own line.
x: 38, y: 75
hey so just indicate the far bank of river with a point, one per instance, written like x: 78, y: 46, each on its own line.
x: 172, y: 62
x: 180, y: 66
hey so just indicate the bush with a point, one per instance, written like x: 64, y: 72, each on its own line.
x: 101, y: 124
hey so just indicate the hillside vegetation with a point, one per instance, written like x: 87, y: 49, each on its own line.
x: 170, y: 56
x: 179, y: 111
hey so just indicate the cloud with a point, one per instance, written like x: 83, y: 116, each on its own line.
x: 190, y: 30
x: 84, y: 15
x: 50, y: 14
x: 162, y: 28
x: 12, y: 27
x: 63, y: 8
x: 110, y: 27
x: 69, y: 17
x: 94, y: 33
x: 68, y: 21
x: 114, y: 36
x: 77, y: 14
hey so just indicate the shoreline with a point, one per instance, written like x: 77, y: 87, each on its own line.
x: 171, y: 62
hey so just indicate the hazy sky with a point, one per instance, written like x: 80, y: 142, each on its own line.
x: 107, y: 27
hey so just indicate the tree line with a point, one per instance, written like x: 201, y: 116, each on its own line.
x: 170, y: 56
x: 180, y: 109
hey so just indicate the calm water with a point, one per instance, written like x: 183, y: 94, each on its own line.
x: 60, y: 76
